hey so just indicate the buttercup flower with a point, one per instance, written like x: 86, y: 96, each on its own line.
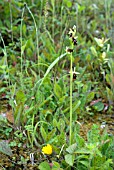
x: 47, y: 149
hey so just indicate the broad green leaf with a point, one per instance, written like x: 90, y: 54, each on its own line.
x: 83, y: 151
x: 98, y: 152
x: 61, y: 125
x: 85, y: 88
x: 30, y: 44
x: 92, y: 168
x: 76, y: 105
x: 90, y: 96
x: 53, y: 2
x: 93, y: 136
x: 2, y: 119
x: 85, y: 163
x: 51, y: 134
x: 72, y: 148
x: 54, y: 168
x: 33, y: 73
x: 81, y: 7
x: 99, y: 106
x: 62, y: 99
x: 69, y: 4
x: 69, y: 159
x: 29, y: 110
x: 108, y: 78
x: 18, y: 114
x: 23, y: 48
x: 80, y: 141
x: 43, y: 133
x: 83, y: 101
x: 55, y: 122
x: 56, y: 165
x: 20, y: 97
x: 82, y: 156
x: 110, y: 94
x: 24, y: 29
x: 57, y: 90
x: 5, y: 149
x: 61, y: 138
x: 3, y: 67
x: 51, y: 66
x: 99, y: 41
x: 44, y: 166
x: 2, y: 89
x: 29, y: 52
x: 94, y: 52
x: 110, y: 161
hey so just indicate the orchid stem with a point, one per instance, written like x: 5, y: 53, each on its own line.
x: 71, y: 77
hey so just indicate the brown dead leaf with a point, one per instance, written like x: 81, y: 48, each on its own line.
x: 9, y: 116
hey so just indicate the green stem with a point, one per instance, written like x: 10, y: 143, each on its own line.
x: 53, y: 4
x: 10, y: 7
x: 5, y: 61
x: 71, y: 77
x: 21, y: 41
x: 32, y: 140
x: 35, y: 25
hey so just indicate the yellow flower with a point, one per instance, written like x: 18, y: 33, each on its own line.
x: 47, y: 149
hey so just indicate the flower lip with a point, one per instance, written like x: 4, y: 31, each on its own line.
x: 69, y: 50
x: 72, y: 31
x: 47, y: 149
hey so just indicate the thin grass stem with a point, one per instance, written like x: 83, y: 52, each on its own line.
x: 35, y: 25
x: 71, y: 77
x: 11, y: 21
x: 21, y: 39
x: 6, y: 59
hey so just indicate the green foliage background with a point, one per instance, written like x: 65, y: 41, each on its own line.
x: 35, y: 83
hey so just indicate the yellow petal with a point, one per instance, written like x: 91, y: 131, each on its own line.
x: 47, y: 149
